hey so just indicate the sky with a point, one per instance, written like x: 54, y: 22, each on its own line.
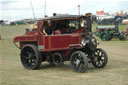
x: 21, y: 9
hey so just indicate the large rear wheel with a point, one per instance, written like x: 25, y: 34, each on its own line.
x: 79, y: 61
x: 30, y: 57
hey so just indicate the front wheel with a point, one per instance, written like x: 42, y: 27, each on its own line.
x: 79, y: 61
x: 105, y: 37
x: 30, y: 57
x: 122, y: 36
x: 100, y: 58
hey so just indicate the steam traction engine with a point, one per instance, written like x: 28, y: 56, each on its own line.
x: 72, y: 41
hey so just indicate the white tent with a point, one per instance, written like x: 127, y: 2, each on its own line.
x: 125, y: 21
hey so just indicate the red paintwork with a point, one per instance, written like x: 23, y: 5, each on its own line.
x: 46, y: 42
x: 31, y: 36
x: 52, y: 42
x: 80, y: 30
x: 62, y: 41
x: 40, y: 36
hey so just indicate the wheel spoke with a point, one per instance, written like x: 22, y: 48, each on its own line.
x: 96, y: 62
x: 100, y: 53
x: 81, y: 67
x: 34, y: 61
x: 99, y: 64
x: 102, y: 61
x: 77, y: 66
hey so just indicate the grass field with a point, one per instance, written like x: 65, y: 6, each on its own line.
x: 13, y: 73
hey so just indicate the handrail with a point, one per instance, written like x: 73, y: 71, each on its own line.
x: 16, y: 45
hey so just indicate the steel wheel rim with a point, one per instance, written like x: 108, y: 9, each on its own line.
x: 100, y: 58
x: 28, y: 58
x: 77, y: 62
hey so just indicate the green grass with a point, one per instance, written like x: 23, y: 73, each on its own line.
x: 13, y: 73
x: 9, y: 32
x: 123, y: 27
